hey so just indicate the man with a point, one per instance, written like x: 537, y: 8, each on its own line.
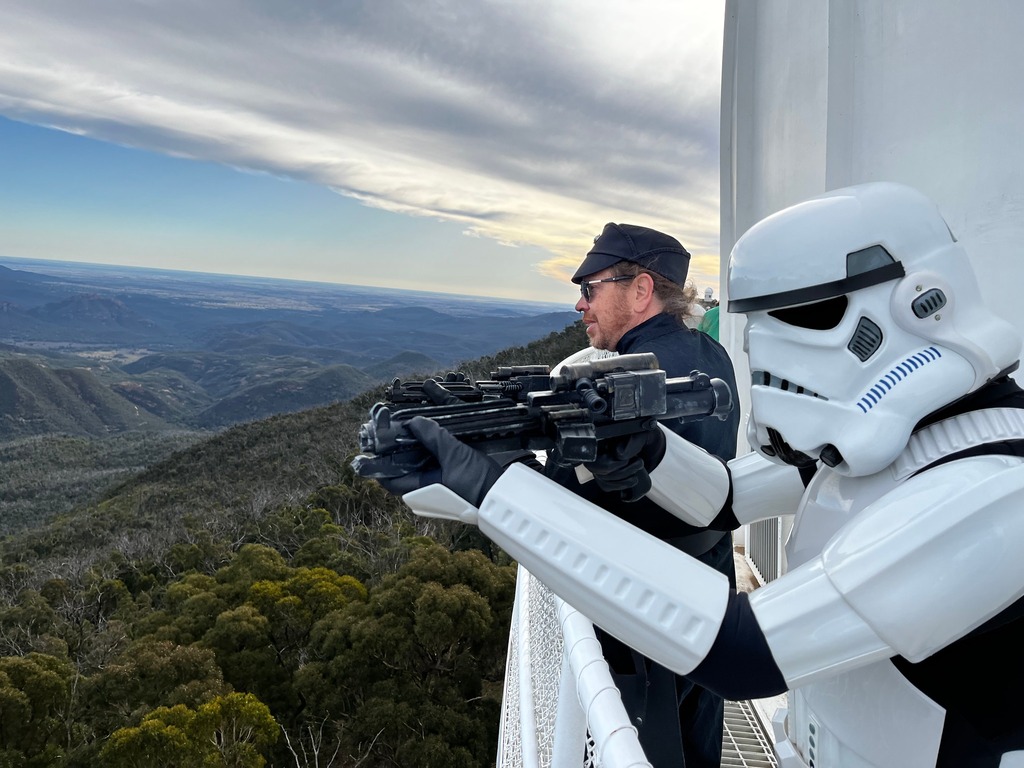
x: 634, y: 298
x: 898, y: 625
x: 709, y: 323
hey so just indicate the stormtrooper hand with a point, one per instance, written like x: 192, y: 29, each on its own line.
x: 624, y: 463
x: 460, y: 468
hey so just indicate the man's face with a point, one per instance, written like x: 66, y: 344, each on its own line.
x: 608, y: 314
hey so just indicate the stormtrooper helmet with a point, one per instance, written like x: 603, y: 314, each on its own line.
x: 863, y: 316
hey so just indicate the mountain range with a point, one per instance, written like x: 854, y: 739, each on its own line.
x: 94, y: 350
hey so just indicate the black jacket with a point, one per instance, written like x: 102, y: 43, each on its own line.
x: 680, y: 351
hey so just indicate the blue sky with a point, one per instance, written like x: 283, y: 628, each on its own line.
x: 73, y: 198
x: 472, y: 148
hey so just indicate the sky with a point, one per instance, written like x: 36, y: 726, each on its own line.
x: 473, y: 147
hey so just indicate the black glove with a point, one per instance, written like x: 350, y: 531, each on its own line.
x: 461, y: 468
x: 623, y: 464
x: 506, y: 459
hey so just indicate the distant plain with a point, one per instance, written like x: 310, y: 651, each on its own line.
x: 205, y: 351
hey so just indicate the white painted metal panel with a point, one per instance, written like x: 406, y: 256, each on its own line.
x: 818, y: 94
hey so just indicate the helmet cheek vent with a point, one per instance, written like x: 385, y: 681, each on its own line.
x: 866, y: 340
x: 928, y: 303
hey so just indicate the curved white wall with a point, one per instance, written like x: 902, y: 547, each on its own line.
x: 818, y: 94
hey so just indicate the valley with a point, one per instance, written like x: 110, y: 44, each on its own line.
x: 105, y: 371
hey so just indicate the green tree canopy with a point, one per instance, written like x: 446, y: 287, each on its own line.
x: 416, y: 669
x: 35, y: 703
x: 152, y: 673
x: 231, y: 731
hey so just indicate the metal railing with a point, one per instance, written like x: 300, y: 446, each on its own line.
x: 765, y: 551
x: 561, y: 707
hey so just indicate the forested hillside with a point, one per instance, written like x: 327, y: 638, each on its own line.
x: 45, y: 477
x: 248, y: 601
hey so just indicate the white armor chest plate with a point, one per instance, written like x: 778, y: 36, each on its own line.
x: 831, y: 501
x: 858, y: 707
x: 872, y: 716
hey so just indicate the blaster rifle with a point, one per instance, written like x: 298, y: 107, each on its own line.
x: 513, y: 382
x: 579, y: 406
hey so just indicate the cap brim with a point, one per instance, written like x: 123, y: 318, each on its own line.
x: 595, y: 262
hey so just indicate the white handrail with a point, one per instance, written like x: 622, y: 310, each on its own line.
x: 561, y: 706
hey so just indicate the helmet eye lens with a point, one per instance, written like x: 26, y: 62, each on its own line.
x: 819, y: 316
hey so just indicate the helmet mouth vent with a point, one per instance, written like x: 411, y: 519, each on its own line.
x: 767, y: 379
x: 780, y: 449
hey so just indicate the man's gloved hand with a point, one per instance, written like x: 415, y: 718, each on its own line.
x: 623, y: 464
x: 460, y: 468
x: 506, y: 459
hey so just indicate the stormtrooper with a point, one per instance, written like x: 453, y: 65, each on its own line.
x: 882, y: 416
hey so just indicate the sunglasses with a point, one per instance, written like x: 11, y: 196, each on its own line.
x: 587, y: 292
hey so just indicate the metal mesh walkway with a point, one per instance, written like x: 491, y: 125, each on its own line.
x: 745, y: 744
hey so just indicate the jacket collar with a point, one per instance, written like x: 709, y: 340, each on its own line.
x: 659, y: 325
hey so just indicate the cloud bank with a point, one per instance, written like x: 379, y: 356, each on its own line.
x: 528, y: 122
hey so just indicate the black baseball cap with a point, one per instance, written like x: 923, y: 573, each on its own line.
x: 649, y: 248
